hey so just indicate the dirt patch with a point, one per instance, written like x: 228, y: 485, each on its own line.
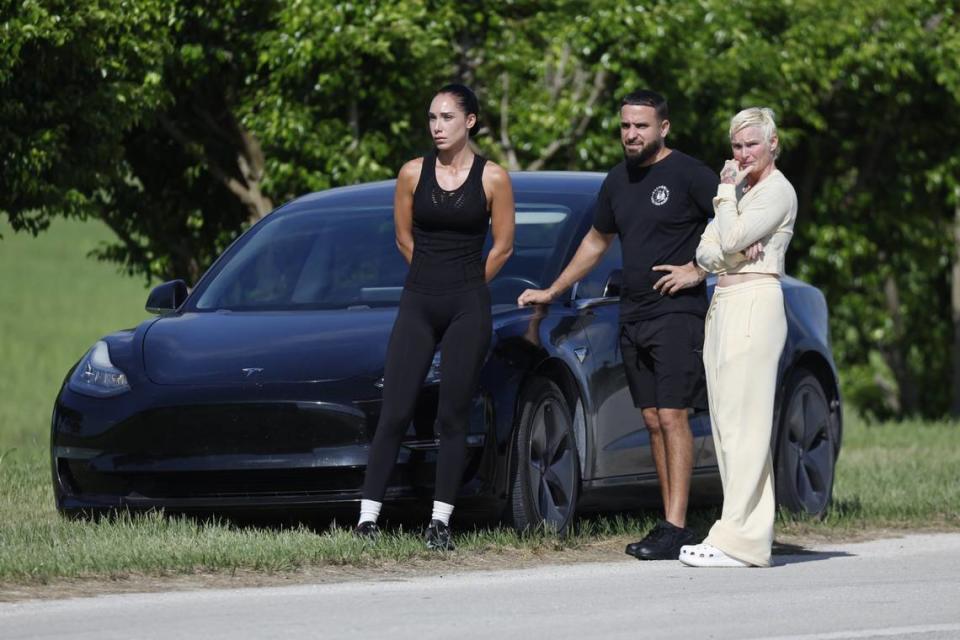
x: 607, y: 550
x: 455, y: 562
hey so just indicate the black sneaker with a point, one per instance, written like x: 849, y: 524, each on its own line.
x: 437, y: 536
x: 367, y: 530
x: 662, y: 543
x: 652, y: 538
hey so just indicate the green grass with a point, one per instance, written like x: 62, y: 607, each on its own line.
x: 894, y: 475
x: 54, y: 303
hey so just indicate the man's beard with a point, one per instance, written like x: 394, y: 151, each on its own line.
x: 648, y: 152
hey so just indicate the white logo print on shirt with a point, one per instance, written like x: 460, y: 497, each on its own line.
x: 660, y: 195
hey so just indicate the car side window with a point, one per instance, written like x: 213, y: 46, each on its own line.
x: 591, y: 286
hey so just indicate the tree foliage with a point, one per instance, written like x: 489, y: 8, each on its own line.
x: 75, y: 78
x: 179, y: 122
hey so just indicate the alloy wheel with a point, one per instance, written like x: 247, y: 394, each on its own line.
x: 552, y: 462
x: 807, y: 452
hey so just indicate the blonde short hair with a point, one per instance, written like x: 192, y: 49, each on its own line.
x: 760, y: 117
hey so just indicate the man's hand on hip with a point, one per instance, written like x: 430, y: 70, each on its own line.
x: 678, y: 277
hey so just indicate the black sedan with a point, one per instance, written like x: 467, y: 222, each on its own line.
x: 261, y: 387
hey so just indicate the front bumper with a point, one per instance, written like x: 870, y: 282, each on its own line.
x: 229, y: 452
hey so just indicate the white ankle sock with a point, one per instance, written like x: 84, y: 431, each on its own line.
x: 369, y: 511
x: 442, y: 512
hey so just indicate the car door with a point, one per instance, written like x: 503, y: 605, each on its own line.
x: 620, y: 442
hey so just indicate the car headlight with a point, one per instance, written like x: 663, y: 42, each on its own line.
x: 433, y: 374
x: 96, y: 376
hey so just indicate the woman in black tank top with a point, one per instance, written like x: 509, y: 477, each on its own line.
x: 443, y: 205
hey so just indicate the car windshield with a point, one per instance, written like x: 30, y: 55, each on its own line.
x: 346, y: 257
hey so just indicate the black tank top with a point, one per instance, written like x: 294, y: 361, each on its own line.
x: 449, y: 229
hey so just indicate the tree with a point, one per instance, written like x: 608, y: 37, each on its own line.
x: 181, y: 122
x: 192, y: 172
x: 243, y: 104
x: 342, y: 89
x: 878, y: 181
x: 73, y: 80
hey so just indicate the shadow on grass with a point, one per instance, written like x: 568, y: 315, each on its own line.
x: 845, y: 508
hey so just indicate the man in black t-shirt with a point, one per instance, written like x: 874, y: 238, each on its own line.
x: 658, y: 201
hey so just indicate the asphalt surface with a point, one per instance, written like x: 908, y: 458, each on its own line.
x: 897, y: 588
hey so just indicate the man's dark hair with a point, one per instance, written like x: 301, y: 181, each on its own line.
x: 466, y: 100
x: 645, y: 98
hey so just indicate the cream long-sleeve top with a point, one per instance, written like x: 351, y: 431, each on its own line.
x: 765, y: 213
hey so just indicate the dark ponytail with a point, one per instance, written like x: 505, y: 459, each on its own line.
x: 466, y: 100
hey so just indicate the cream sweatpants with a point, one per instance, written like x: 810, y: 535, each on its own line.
x: 745, y: 331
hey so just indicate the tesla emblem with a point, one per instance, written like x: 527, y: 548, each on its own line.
x: 249, y: 372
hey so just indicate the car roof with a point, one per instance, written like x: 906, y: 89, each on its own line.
x: 372, y: 193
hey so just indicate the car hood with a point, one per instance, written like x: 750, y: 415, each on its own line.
x: 241, y: 347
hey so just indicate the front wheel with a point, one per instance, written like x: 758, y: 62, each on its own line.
x: 807, y: 446
x: 546, y: 467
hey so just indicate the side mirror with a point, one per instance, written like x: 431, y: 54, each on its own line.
x: 167, y: 297
x: 611, y: 288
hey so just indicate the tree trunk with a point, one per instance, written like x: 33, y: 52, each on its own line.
x: 252, y: 164
x: 955, y: 305
x: 505, y: 143
x: 894, y: 352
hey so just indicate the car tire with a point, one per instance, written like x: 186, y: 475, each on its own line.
x: 545, y: 463
x: 807, y: 447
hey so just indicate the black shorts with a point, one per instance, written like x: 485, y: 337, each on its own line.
x: 663, y: 359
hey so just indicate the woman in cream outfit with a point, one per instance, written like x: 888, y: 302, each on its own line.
x: 746, y: 328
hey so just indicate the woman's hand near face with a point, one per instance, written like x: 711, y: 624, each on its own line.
x: 732, y: 173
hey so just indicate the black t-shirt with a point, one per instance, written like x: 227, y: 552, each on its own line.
x: 660, y: 212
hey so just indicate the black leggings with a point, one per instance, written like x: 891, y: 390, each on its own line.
x: 460, y: 323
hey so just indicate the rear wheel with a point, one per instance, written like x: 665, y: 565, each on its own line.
x: 807, y: 447
x: 546, y: 468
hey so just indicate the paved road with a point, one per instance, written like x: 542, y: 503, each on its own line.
x: 899, y: 588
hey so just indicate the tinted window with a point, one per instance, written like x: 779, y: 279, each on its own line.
x: 347, y: 257
x: 591, y: 286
